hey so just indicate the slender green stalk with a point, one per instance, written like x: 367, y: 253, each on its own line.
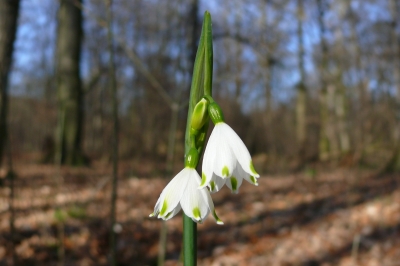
x: 201, y: 85
x: 113, y: 88
x: 189, y: 242
x: 162, y: 245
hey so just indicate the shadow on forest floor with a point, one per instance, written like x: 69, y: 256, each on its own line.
x: 286, y: 220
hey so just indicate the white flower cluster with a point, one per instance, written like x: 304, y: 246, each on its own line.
x: 226, y: 161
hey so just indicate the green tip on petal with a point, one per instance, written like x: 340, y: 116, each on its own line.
x: 168, y: 215
x: 164, y: 208
x: 254, y: 180
x: 234, y: 184
x: 225, y: 171
x: 252, y: 168
x: 151, y: 214
x: 197, y: 214
x: 203, y: 179
x: 212, y: 185
x: 217, y: 218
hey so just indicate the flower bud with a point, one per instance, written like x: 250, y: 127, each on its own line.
x: 215, y: 113
x: 199, y: 115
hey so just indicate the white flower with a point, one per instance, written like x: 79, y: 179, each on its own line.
x: 226, y: 161
x: 182, y: 192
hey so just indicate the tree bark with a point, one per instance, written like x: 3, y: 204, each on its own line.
x: 361, y: 87
x: 394, y: 163
x: 341, y: 114
x: 9, y: 11
x: 69, y: 86
x: 324, y: 140
x: 301, y: 100
x: 341, y: 101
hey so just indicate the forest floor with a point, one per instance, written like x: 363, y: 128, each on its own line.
x: 332, y: 217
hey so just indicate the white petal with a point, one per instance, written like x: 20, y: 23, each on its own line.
x: 207, y: 198
x: 249, y: 178
x: 239, y: 149
x: 225, y: 161
x: 235, y: 181
x: 208, y: 160
x: 216, y: 183
x: 172, y: 193
x: 173, y: 213
x: 192, y: 202
x: 156, y: 208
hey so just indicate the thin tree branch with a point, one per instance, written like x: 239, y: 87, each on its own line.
x: 132, y: 55
x: 113, y: 89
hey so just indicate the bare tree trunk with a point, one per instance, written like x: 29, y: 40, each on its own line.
x: 115, y: 140
x: 268, y: 63
x: 301, y: 100
x: 341, y: 114
x: 394, y: 8
x: 394, y: 162
x: 268, y: 99
x: 9, y: 11
x: 324, y: 140
x: 70, y: 96
x: 340, y: 102
x: 360, y: 127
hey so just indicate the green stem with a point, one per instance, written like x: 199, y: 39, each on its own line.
x: 201, y: 85
x: 189, y: 242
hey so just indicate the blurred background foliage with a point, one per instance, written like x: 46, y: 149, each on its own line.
x: 300, y: 81
x: 311, y: 86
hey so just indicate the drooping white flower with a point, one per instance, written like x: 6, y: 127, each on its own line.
x: 233, y: 182
x: 226, y: 160
x: 182, y: 193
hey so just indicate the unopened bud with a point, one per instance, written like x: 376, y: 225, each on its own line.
x: 199, y: 115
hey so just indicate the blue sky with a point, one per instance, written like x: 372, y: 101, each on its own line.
x: 36, y: 39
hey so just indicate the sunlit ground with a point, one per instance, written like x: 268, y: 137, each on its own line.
x: 340, y: 217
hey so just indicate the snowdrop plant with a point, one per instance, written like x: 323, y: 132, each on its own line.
x: 182, y: 193
x: 226, y: 158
